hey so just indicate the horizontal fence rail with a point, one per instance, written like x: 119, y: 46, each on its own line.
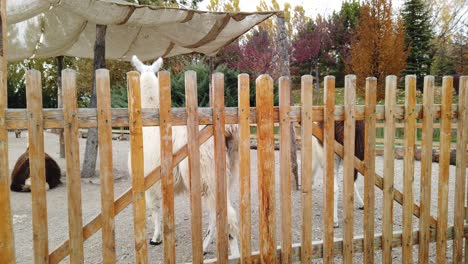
x: 208, y: 123
x: 87, y: 117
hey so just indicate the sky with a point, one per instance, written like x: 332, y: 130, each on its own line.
x: 312, y: 7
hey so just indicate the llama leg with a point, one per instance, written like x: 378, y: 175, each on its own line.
x: 155, y: 209
x: 358, y: 197
x: 211, y: 230
x: 336, y: 192
x: 233, y: 230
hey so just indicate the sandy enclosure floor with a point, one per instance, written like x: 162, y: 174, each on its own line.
x: 58, y: 219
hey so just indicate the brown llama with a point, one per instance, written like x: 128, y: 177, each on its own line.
x: 20, y: 181
x: 359, y: 144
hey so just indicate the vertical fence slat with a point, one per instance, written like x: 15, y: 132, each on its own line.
x: 106, y: 165
x: 460, y: 178
x: 369, y: 161
x: 306, y: 167
x: 328, y: 168
x: 167, y: 178
x: 72, y: 150
x: 389, y: 136
x: 137, y: 166
x: 348, y: 167
x: 191, y: 105
x: 222, y: 242
x: 426, y: 164
x: 244, y: 168
x: 444, y: 165
x: 408, y: 167
x: 266, y: 169
x: 285, y: 169
x: 37, y: 166
x: 7, y: 249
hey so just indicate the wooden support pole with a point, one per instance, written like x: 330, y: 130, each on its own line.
x: 59, y: 60
x: 91, y: 151
x: 284, y: 65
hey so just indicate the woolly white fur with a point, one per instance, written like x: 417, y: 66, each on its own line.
x: 151, y: 144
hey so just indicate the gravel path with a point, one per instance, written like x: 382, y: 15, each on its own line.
x: 58, y: 220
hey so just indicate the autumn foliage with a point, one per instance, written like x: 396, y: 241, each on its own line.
x: 378, y: 47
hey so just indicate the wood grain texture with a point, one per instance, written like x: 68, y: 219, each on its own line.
x: 244, y: 168
x: 360, y: 166
x: 426, y: 165
x: 7, y: 247
x: 317, y: 246
x: 444, y: 172
x: 72, y: 150
x: 191, y: 105
x: 37, y: 166
x: 408, y: 167
x: 285, y: 169
x: 222, y: 241
x: 460, y: 178
x: 328, y: 168
x: 126, y: 198
x: 106, y: 165
x: 53, y: 118
x: 348, y: 167
x: 306, y: 167
x: 388, y: 190
x: 266, y: 169
x: 369, y: 172
x: 137, y: 167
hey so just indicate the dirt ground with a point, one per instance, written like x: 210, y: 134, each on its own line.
x: 58, y: 220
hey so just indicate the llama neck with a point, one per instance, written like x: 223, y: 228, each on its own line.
x: 149, y: 91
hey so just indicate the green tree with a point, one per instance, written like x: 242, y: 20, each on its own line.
x: 419, y: 34
x: 343, y: 25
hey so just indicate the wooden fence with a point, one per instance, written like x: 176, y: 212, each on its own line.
x: 431, y: 228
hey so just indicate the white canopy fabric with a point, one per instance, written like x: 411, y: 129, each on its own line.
x: 47, y: 28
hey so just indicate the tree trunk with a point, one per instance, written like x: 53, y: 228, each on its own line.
x: 284, y: 65
x: 60, y: 101
x: 317, y: 76
x: 89, y: 163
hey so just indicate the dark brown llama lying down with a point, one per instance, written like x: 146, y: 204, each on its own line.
x: 20, y: 181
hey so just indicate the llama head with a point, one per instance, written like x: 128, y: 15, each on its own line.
x: 148, y: 82
x: 142, y: 68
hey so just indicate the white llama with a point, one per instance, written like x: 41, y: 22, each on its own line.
x: 151, y: 142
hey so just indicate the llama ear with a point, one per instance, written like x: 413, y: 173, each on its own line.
x: 157, y: 65
x: 137, y: 63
